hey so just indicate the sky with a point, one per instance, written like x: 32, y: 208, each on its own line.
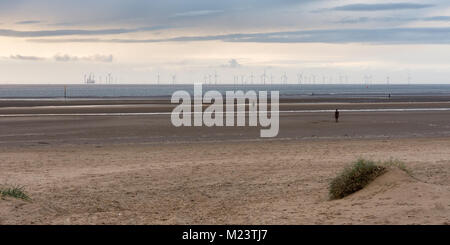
x: 307, y: 41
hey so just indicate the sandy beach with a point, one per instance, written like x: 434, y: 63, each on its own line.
x: 139, y: 169
x: 221, y: 121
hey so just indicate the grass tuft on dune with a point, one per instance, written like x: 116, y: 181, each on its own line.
x: 15, y: 192
x: 354, y: 178
x: 359, y: 174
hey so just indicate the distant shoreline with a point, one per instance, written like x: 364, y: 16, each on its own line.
x: 288, y: 92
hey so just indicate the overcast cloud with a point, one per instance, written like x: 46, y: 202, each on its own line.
x: 141, y: 38
x: 381, y: 6
x: 174, y: 19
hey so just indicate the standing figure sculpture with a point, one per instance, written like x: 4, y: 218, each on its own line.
x: 336, y: 115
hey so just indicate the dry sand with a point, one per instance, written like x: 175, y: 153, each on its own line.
x: 271, y: 182
x: 141, y: 170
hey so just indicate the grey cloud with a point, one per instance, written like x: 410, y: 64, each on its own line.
x: 68, y: 32
x: 238, y: 15
x: 100, y: 58
x: 426, y: 35
x: 354, y: 20
x: 93, y: 58
x: 99, y: 12
x: 380, y: 19
x: 72, y: 40
x: 437, y: 18
x: 381, y: 6
x: 392, y: 19
x: 233, y: 63
x: 197, y: 13
x: 63, y: 24
x: 26, y: 22
x: 22, y: 57
x: 373, y: 36
x: 66, y: 58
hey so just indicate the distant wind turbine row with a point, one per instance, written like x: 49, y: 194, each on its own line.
x: 91, y: 79
x: 249, y: 78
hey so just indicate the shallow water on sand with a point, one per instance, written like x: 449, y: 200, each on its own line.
x: 168, y: 113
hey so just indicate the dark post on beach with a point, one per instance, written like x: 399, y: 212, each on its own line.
x: 336, y: 115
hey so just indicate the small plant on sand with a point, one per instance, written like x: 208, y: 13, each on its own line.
x: 15, y: 192
x: 354, y: 177
x: 397, y: 164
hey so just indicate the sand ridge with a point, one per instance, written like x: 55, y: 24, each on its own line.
x: 397, y: 195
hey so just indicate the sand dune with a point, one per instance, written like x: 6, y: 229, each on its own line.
x: 396, y: 198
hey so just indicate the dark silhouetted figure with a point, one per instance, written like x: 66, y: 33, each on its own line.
x: 336, y: 115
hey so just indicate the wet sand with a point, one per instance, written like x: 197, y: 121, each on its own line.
x: 141, y: 170
x: 157, y: 128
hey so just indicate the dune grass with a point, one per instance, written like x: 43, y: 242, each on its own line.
x: 397, y: 164
x: 359, y: 174
x: 15, y: 192
x: 354, y: 177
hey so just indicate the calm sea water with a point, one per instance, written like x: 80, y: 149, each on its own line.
x: 136, y: 91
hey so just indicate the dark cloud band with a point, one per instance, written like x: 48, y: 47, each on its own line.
x: 381, y: 7
x: 373, y: 36
x: 55, y: 33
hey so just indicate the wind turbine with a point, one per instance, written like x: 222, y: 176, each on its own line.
x: 215, y: 77
x: 236, y: 78
x: 284, y: 78
x: 174, y: 79
x: 300, y: 78
x: 264, y: 77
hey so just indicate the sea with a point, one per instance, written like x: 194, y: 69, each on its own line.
x: 99, y: 91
